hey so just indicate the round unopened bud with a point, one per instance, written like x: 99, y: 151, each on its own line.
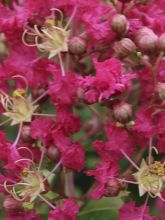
x: 161, y: 42
x: 119, y: 23
x: 77, y: 45
x: 10, y: 203
x: 122, y: 112
x: 53, y: 153
x: 125, y: 47
x: 25, y: 133
x: 146, y: 40
x: 161, y: 90
x: 113, y: 188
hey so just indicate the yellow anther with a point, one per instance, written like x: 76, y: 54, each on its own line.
x: 19, y: 92
x: 157, y: 168
x: 49, y: 22
x: 24, y: 172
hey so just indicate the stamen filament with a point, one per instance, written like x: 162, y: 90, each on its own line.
x: 53, y: 170
x: 145, y: 205
x: 24, y: 159
x: 59, y: 11
x: 71, y: 18
x: 37, y: 31
x: 45, y: 115
x: 42, y: 157
x: 61, y: 64
x: 46, y: 201
x: 24, y: 41
x: 24, y: 79
x: 40, y: 97
x: 18, y: 136
x: 27, y: 149
x: 150, y: 152
x: 6, y: 187
x: 130, y: 160
x: 5, y: 122
x: 127, y: 181
x: 160, y: 196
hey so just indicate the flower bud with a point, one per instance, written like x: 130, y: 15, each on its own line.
x: 161, y: 42
x: 146, y: 40
x: 113, y: 188
x: 161, y: 90
x: 25, y: 133
x: 77, y: 45
x: 125, y: 47
x: 53, y: 153
x: 10, y: 203
x: 119, y: 23
x: 122, y: 112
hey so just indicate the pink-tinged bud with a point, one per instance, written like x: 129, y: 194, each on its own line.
x: 77, y: 45
x: 25, y: 133
x: 113, y: 188
x: 146, y: 40
x: 161, y: 42
x: 125, y: 47
x: 122, y: 112
x: 10, y: 203
x: 161, y: 90
x: 53, y: 153
x: 119, y: 24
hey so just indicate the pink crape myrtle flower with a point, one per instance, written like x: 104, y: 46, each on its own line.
x: 129, y: 211
x: 67, y: 211
x: 103, y: 174
x: 107, y: 82
x: 82, y: 107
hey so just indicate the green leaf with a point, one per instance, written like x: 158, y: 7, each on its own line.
x: 104, y: 209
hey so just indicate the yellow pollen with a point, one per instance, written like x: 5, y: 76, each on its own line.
x: 24, y: 172
x: 49, y: 22
x: 19, y: 92
x: 157, y: 168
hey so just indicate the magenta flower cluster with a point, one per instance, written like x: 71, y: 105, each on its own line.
x: 78, y: 75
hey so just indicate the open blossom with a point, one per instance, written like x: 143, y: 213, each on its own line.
x: 114, y: 146
x: 129, y: 211
x: 82, y: 108
x: 63, y: 89
x: 12, y: 22
x: 24, y: 61
x: 104, y: 172
x: 23, y: 215
x: 67, y: 211
x: 144, y: 127
x: 107, y: 82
